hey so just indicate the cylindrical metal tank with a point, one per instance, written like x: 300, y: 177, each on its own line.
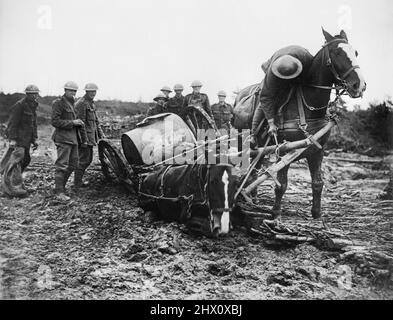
x: 157, y: 138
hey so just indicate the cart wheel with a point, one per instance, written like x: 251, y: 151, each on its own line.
x: 114, y: 165
x: 193, y: 112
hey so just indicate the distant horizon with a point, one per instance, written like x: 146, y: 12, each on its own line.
x: 350, y: 103
x: 133, y: 48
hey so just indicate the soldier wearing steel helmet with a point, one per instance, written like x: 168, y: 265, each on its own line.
x: 222, y: 112
x: 68, y: 135
x: 196, y: 98
x: 22, y: 134
x: 159, y: 106
x: 166, y: 90
x: 175, y: 104
x: 285, y: 68
x: 85, y: 109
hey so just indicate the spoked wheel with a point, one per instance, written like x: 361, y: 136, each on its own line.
x: 115, y: 166
x: 193, y: 113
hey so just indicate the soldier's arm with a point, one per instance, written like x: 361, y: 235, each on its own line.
x: 57, y: 122
x: 257, y: 118
x: 208, y: 108
x: 35, y: 133
x: 268, y: 94
x: 80, y: 112
x: 185, y: 102
x: 14, y: 121
x: 101, y: 134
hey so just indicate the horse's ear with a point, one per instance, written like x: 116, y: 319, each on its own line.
x: 343, y: 35
x: 328, y: 36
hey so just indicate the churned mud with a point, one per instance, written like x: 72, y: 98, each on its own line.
x: 101, y: 245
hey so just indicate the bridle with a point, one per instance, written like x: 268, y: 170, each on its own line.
x: 207, y: 200
x: 341, y: 79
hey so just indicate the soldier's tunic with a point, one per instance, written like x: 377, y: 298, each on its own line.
x: 223, y: 114
x: 175, y: 105
x: 22, y: 128
x: 86, y: 111
x: 156, y: 109
x: 275, y: 90
x: 202, y: 100
x: 67, y: 136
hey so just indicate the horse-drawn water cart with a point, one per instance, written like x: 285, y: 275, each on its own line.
x: 147, y: 164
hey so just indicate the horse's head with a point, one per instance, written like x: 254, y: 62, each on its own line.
x: 221, y: 188
x: 343, y: 64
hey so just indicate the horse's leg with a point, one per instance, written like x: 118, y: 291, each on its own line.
x: 282, y: 177
x: 315, y: 167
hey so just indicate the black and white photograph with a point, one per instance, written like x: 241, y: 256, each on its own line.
x: 205, y: 152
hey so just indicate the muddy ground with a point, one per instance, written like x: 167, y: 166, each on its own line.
x: 102, y: 246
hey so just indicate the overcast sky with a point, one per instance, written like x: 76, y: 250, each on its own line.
x: 132, y: 48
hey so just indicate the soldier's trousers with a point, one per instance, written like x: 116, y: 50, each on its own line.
x: 12, y: 165
x: 67, y: 158
x: 85, y: 157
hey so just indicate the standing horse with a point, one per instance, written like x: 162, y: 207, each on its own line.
x: 335, y: 64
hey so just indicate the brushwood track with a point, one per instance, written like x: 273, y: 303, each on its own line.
x: 102, y: 246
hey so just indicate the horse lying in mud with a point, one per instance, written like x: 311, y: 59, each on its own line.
x: 335, y: 64
x: 200, y: 196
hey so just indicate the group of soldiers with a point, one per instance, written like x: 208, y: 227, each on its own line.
x: 77, y: 130
x: 221, y: 112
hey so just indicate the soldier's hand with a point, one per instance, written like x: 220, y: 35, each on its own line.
x: 272, y: 128
x: 12, y: 143
x: 35, y: 145
x: 78, y: 123
x: 253, y: 142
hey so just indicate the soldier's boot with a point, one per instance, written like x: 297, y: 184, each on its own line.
x: 59, y: 187
x: 78, y: 180
x: 18, y: 191
x: 66, y: 176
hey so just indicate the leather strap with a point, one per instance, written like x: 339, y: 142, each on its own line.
x: 302, y: 116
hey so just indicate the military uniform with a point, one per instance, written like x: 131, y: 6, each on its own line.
x: 223, y: 114
x: 22, y: 128
x: 202, y: 100
x: 275, y: 90
x: 85, y: 110
x: 156, y: 109
x: 175, y: 105
x: 67, y: 138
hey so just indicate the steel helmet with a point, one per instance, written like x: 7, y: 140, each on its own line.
x: 178, y: 87
x: 287, y: 67
x: 222, y: 93
x: 91, y: 87
x: 166, y: 88
x: 71, y: 85
x: 196, y: 83
x: 160, y: 96
x: 32, y: 89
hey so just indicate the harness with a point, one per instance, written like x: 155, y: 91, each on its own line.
x: 301, y: 100
x: 190, y: 200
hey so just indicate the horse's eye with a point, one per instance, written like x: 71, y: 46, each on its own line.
x: 357, y: 53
